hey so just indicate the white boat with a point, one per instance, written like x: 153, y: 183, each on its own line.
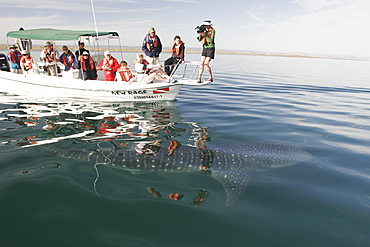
x: 67, y: 86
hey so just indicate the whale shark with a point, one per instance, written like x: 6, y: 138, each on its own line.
x: 231, y: 165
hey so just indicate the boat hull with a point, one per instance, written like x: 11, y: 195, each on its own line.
x: 38, y: 85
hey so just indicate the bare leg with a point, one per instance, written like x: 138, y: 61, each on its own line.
x: 201, y: 68
x: 206, y: 64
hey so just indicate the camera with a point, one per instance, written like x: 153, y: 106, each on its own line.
x: 200, y: 29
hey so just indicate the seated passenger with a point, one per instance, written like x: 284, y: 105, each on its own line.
x: 109, y: 65
x: 178, y: 54
x: 67, y: 58
x: 87, y: 66
x: 139, y: 68
x: 124, y: 73
x: 143, y: 68
x: 27, y: 63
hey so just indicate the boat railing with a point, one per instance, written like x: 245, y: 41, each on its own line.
x: 187, y: 69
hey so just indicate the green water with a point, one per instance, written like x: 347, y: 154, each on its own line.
x: 322, y: 106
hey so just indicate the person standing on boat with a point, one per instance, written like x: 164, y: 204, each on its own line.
x: 14, y: 57
x: 50, y: 56
x: 24, y: 44
x: 109, y: 65
x: 152, y: 46
x: 67, y: 58
x: 178, y: 54
x: 78, y: 55
x: 81, y: 49
x: 207, y: 38
x: 87, y: 67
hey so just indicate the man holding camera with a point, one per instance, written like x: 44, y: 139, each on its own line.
x: 152, y: 46
x: 207, y: 39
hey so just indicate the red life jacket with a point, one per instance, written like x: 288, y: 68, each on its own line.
x: 111, y: 63
x: 67, y: 59
x: 125, y: 74
x: 209, y: 32
x: 14, y: 56
x: 83, y: 63
x: 175, y: 48
x: 26, y: 62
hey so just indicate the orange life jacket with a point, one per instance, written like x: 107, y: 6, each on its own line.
x: 26, y: 62
x: 125, y: 74
x: 49, y: 55
x: 83, y: 63
x: 176, y: 196
x: 155, y: 42
x: 175, y: 48
x: 171, y: 148
x: 14, y: 56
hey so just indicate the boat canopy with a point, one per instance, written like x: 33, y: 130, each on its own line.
x: 56, y: 34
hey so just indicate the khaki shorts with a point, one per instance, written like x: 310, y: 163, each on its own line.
x: 152, y: 60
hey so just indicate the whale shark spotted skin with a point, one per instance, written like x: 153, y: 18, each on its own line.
x: 231, y: 165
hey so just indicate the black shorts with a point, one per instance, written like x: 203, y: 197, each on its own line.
x: 209, y: 52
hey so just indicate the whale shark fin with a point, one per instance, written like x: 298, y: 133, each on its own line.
x: 235, y: 182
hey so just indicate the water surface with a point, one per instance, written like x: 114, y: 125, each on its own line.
x: 322, y: 106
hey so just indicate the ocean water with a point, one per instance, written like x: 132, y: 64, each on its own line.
x: 49, y: 197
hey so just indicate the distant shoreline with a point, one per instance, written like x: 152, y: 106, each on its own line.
x: 225, y: 52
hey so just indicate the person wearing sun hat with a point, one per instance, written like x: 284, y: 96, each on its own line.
x: 152, y: 46
x: 87, y: 67
x: 109, y: 65
x: 78, y: 54
x: 50, y: 56
x: 27, y: 63
x: 67, y: 59
x: 207, y: 39
x: 14, y: 57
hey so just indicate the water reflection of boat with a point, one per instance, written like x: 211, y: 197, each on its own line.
x: 96, y: 122
x: 66, y: 85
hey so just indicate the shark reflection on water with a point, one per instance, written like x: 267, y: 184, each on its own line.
x: 231, y: 165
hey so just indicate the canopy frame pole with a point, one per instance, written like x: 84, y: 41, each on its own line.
x: 120, y: 47
x: 96, y: 26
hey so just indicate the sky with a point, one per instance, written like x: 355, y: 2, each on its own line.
x: 290, y: 26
